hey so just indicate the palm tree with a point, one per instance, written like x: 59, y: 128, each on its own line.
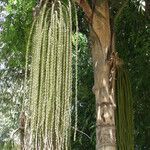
x: 51, y: 73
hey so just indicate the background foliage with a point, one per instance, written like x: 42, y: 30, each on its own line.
x: 133, y: 36
x: 15, y: 22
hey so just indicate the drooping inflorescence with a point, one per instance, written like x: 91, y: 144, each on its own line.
x: 124, y: 111
x: 48, y: 89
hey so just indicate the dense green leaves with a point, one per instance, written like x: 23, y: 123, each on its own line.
x: 86, y: 136
x: 15, y: 31
x: 15, y: 25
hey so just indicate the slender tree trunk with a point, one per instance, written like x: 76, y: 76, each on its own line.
x: 105, y: 124
x: 101, y: 42
x: 100, y: 36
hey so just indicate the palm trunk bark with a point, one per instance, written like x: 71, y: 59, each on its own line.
x: 101, y: 43
x: 105, y: 106
x: 100, y: 36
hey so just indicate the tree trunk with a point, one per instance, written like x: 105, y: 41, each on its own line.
x: 103, y: 89
x: 101, y: 45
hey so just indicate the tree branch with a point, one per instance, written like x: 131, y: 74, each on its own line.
x: 86, y: 8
